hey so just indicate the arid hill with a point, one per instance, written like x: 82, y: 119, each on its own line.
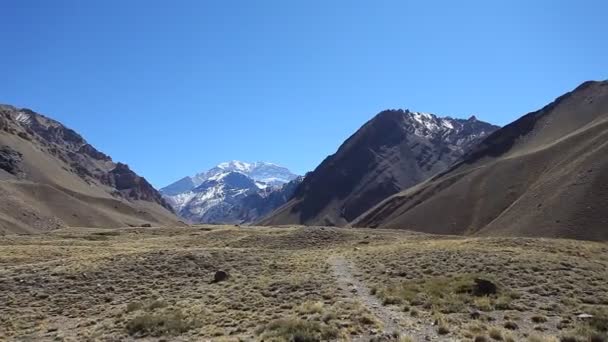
x: 545, y: 174
x: 50, y: 177
x: 393, y: 151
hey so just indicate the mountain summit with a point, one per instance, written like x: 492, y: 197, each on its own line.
x: 265, y: 174
x: 393, y: 151
x: 231, y: 192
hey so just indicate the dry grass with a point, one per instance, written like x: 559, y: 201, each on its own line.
x: 297, y: 330
x: 542, y: 284
x: 91, y: 284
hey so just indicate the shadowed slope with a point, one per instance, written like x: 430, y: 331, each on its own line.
x: 545, y: 174
x: 394, y: 150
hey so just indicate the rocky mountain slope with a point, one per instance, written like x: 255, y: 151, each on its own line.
x: 393, y: 151
x: 232, y: 192
x: 50, y: 177
x: 546, y: 174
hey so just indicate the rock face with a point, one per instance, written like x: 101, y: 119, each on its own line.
x: 51, y: 177
x: 545, y: 174
x: 10, y: 161
x: 132, y: 186
x: 232, y: 192
x: 391, y: 152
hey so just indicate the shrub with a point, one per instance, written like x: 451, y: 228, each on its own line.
x: 134, y: 306
x: 366, y: 319
x: 156, y: 304
x: 298, y: 330
x: 311, y: 308
x: 483, y: 303
x: 443, y: 329
x: 495, y: 334
x: 390, y: 300
x: 169, y: 323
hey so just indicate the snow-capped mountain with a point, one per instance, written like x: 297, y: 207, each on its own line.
x: 231, y: 192
x: 263, y: 173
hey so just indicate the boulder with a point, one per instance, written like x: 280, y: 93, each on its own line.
x: 484, y: 287
x: 220, y: 276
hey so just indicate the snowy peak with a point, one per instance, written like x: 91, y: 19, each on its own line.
x: 271, y: 174
x: 259, y: 171
x: 231, y: 192
x: 263, y: 173
x: 236, y: 165
x: 229, y: 180
x: 431, y: 127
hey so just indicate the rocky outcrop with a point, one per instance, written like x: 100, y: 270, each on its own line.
x: 10, y: 161
x: 132, y: 186
x: 92, y: 152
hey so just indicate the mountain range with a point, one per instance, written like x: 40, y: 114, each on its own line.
x: 393, y: 151
x: 50, y: 177
x: 545, y: 174
x: 232, y: 192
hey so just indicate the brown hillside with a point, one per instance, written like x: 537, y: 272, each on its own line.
x: 50, y: 177
x: 545, y: 174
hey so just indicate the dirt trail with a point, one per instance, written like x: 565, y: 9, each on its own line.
x: 392, y: 318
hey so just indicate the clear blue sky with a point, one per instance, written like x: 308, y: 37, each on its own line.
x: 175, y: 87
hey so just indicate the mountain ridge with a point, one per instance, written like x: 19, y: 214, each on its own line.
x: 392, y: 151
x: 542, y: 175
x: 51, y: 177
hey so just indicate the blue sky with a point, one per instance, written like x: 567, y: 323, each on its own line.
x: 175, y: 87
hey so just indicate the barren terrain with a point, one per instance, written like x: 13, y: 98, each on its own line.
x: 300, y: 284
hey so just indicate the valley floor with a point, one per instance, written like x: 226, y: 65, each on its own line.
x: 302, y: 284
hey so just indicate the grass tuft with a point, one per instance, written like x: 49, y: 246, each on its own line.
x: 297, y: 330
x: 168, y: 323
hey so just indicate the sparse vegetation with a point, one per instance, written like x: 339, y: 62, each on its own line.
x: 157, y: 283
x: 447, y: 294
x: 168, y: 323
x: 297, y: 330
x: 134, y: 306
x: 495, y: 334
x: 443, y: 329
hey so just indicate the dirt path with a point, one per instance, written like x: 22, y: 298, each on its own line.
x: 392, y: 318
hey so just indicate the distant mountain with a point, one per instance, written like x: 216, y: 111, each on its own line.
x: 265, y: 174
x: 231, y: 192
x: 545, y: 174
x: 393, y: 151
x: 50, y: 177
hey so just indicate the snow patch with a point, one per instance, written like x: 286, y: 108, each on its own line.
x: 23, y: 118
